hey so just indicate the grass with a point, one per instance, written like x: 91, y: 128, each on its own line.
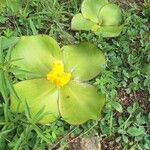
x: 126, y: 81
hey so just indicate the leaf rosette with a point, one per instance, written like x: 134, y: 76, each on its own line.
x: 55, y: 79
x: 99, y: 16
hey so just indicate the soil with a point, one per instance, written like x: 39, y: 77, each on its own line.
x: 104, y: 144
x: 142, y: 98
x: 125, y: 3
x: 74, y: 144
x: 109, y: 144
x: 86, y: 143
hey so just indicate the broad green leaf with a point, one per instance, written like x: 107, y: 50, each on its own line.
x: 90, y: 9
x: 38, y: 93
x: 79, y: 102
x: 134, y: 131
x: 35, y: 54
x: 80, y: 23
x: 109, y: 31
x: 84, y: 61
x: 110, y: 15
x: 117, y: 106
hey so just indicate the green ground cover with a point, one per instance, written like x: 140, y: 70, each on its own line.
x: 126, y: 81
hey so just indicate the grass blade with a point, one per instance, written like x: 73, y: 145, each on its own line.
x: 10, y: 87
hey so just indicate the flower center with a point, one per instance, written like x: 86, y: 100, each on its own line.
x: 57, y: 75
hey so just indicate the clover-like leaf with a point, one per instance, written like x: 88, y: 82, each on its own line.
x: 109, y: 31
x: 84, y: 61
x: 80, y: 23
x: 79, y: 102
x: 59, y: 89
x: 90, y: 9
x: 38, y: 93
x: 35, y: 55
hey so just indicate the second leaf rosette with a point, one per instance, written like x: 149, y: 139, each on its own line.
x: 56, y: 79
x: 99, y: 16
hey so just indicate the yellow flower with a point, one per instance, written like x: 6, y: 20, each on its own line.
x: 57, y: 75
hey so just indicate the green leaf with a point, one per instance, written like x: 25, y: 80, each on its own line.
x: 2, y: 4
x: 85, y: 61
x: 110, y: 15
x: 3, y: 88
x: 33, y: 28
x: 14, y: 5
x: 133, y: 131
x: 117, y: 106
x: 109, y: 31
x: 23, y: 74
x: 146, y: 68
x: 125, y: 138
x: 27, y: 111
x: 4, y: 132
x: 80, y: 102
x: 38, y: 93
x: 8, y: 42
x: 39, y: 115
x: 40, y: 133
x: 90, y: 9
x: 80, y: 23
x: 35, y: 54
x: 10, y: 86
x: 1, y: 52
